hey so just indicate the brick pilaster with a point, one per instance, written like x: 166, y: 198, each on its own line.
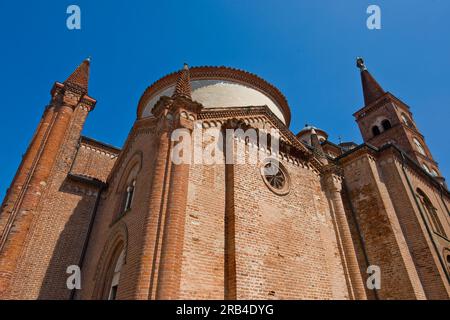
x: 333, y: 185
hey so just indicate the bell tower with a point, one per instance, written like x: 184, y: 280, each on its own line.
x: 386, y: 119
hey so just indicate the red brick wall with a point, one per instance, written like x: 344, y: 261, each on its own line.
x: 58, y: 222
x: 53, y: 214
x: 385, y: 243
x: 139, y: 226
x: 203, y: 254
x: 280, y: 240
x: 216, y: 231
x: 285, y: 246
x: 427, y: 257
x: 93, y: 161
x: 219, y: 232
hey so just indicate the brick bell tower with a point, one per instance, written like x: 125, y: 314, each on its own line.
x: 47, y: 159
x: 386, y: 119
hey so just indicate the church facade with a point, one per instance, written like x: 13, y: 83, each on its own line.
x: 332, y: 221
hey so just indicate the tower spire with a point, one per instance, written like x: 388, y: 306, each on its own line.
x: 183, y: 86
x: 80, y: 77
x: 371, y: 89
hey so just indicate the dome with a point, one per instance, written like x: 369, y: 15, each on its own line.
x: 305, y: 134
x: 220, y: 87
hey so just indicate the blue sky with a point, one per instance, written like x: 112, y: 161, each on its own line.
x: 305, y: 48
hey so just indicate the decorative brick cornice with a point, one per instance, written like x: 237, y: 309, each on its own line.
x: 399, y: 155
x: 176, y: 105
x: 68, y: 95
x: 57, y: 89
x: 332, y: 169
x: 74, y: 88
x: 412, y: 166
x: 88, y: 102
x: 289, y: 143
x: 99, y: 146
x: 252, y: 111
x: 99, y: 150
x: 86, y: 180
x: 382, y: 101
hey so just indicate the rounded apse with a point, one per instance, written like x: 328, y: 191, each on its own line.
x: 220, y: 87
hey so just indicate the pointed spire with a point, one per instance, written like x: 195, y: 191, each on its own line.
x: 371, y: 89
x: 80, y: 77
x: 318, y: 150
x: 183, y: 86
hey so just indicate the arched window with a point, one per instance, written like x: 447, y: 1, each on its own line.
x: 431, y: 213
x: 375, y: 131
x: 446, y: 254
x: 406, y: 120
x: 116, y: 276
x: 426, y: 168
x: 129, y: 195
x: 448, y: 261
x: 434, y: 173
x: 386, y: 124
x: 419, y: 147
x: 127, y: 186
x: 109, y: 273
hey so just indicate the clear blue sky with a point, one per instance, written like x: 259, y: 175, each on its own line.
x: 306, y: 48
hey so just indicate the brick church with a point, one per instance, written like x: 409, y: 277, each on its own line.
x: 140, y: 226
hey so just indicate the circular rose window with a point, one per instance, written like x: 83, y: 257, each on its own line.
x: 275, y: 177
